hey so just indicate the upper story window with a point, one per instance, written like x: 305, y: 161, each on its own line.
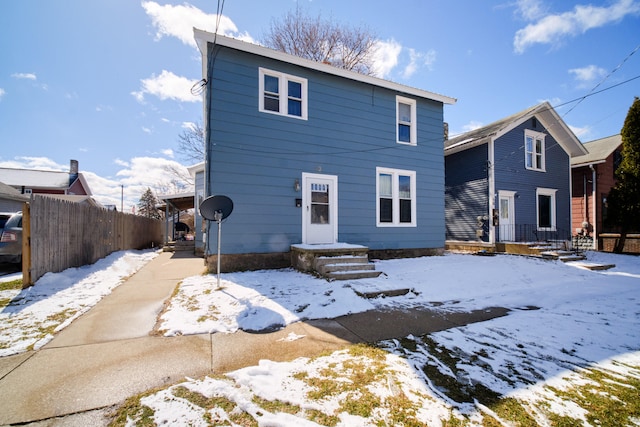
x: 283, y: 94
x: 534, y: 151
x: 406, y: 117
x: 396, y: 198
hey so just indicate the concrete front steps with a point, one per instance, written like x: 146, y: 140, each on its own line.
x: 180, y: 246
x: 346, y: 267
x: 340, y: 261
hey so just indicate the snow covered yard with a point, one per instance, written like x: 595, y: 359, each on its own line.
x: 567, y: 355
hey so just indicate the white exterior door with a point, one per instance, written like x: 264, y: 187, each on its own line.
x: 506, y: 200
x: 319, y: 209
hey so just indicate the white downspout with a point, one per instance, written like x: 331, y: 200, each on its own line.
x: 595, y: 218
x: 492, y: 191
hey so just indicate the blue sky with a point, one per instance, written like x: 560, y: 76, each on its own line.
x: 106, y: 82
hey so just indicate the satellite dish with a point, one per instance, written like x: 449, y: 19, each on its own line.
x: 212, y: 205
x: 216, y: 208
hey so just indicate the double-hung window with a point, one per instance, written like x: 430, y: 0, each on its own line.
x: 283, y: 94
x: 406, y: 132
x: 534, y: 150
x: 396, y: 198
x: 546, y: 202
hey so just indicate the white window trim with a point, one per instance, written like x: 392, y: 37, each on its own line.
x: 395, y: 173
x: 283, y: 93
x: 546, y: 192
x: 536, y: 136
x: 413, y: 135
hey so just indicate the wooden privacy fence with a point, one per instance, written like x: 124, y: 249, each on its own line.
x: 58, y: 234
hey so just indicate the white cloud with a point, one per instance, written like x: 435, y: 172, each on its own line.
x: 530, y: 10
x: 472, y: 125
x: 178, y: 21
x: 588, y: 74
x: 146, y: 130
x: 38, y: 163
x: 167, y: 152
x: 581, y: 132
x: 418, y: 59
x: 386, y: 57
x: 2, y: 93
x: 167, y: 86
x: 553, y: 29
x: 25, y: 76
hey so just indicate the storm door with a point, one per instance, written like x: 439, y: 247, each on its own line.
x: 319, y: 209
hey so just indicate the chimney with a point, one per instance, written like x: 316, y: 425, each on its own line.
x: 73, y: 171
x: 446, y: 131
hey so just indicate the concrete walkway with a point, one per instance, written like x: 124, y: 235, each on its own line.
x: 109, y: 354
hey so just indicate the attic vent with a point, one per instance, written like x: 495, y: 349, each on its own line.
x: 534, y: 123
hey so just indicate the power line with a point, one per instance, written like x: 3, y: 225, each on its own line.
x: 604, y: 79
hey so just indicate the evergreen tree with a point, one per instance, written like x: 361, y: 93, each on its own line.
x: 147, y: 205
x: 624, y: 198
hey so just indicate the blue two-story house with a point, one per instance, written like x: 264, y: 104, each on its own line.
x: 510, y: 181
x: 312, y: 154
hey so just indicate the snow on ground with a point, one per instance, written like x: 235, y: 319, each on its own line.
x: 571, y: 334
x: 37, y: 312
x: 568, y: 325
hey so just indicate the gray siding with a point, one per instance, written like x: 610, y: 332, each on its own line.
x: 511, y: 174
x: 199, y: 196
x: 466, y: 194
x: 256, y: 157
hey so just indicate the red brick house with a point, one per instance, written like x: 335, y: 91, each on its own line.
x: 28, y: 181
x: 592, y: 177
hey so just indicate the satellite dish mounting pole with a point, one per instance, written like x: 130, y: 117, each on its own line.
x: 216, y: 208
x: 218, y: 219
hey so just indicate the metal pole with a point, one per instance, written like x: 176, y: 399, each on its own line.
x: 218, y: 218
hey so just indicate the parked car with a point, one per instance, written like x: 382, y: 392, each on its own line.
x: 11, y: 240
x: 4, y: 217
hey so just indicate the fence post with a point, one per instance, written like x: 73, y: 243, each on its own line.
x: 26, y: 246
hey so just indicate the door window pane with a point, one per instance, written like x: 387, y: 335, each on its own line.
x: 319, y: 203
x: 504, y: 208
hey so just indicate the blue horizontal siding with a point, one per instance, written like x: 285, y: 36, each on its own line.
x: 466, y: 193
x: 511, y: 174
x: 256, y: 157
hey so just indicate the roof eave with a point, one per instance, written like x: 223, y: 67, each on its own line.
x: 204, y: 37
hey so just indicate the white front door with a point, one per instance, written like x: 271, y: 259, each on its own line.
x: 319, y: 209
x: 507, y: 216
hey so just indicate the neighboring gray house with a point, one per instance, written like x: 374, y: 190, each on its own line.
x: 315, y: 155
x: 11, y: 200
x: 510, y: 181
x: 197, y: 173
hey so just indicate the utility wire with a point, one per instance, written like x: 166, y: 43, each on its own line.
x: 603, y: 80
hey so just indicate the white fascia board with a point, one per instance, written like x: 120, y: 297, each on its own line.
x: 204, y: 37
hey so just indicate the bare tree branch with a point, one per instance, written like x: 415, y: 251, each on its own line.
x: 191, y: 143
x: 350, y: 48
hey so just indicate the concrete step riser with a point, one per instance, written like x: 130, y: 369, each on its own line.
x: 330, y: 268
x: 319, y: 262
x: 353, y: 275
